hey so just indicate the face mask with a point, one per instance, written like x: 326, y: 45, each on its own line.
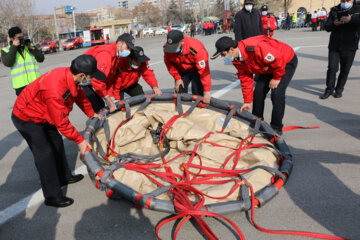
x: 248, y: 8
x: 264, y: 13
x: 228, y: 60
x: 85, y: 84
x: 124, y: 53
x: 133, y: 66
x: 346, y: 5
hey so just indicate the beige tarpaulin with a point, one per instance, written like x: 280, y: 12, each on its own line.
x: 135, y: 137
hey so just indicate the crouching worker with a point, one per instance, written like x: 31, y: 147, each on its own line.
x: 187, y: 60
x: 133, y: 67
x: 42, y: 109
x: 273, y: 62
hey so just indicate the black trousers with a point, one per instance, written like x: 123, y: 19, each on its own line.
x: 346, y: 59
x: 19, y: 90
x: 277, y: 95
x: 196, y: 85
x: 134, y: 90
x: 192, y: 33
x: 322, y: 25
x: 96, y: 101
x: 47, y: 146
x: 314, y: 26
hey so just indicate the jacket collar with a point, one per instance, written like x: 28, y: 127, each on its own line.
x: 71, y: 83
x: 186, y: 47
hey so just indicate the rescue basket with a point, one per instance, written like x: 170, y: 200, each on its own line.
x: 174, y: 154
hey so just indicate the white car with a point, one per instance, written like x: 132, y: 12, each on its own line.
x: 148, y: 31
x: 178, y: 27
x: 160, y: 31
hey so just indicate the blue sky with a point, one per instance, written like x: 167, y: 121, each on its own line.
x: 47, y: 6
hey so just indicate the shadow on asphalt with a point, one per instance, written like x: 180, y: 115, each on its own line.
x: 320, y: 58
x: 306, y: 85
x: 113, y: 220
x: 313, y: 187
x: 340, y: 120
x: 22, y: 181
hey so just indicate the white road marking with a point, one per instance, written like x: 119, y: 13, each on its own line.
x: 37, y: 197
x: 29, y: 201
x: 154, y: 63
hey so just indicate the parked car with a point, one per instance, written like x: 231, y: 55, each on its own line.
x: 71, y: 43
x: 178, y: 27
x: 48, y: 46
x: 160, y: 31
x: 148, y: 31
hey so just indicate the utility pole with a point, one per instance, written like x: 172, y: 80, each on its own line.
x: 73, y: 13
x: 56, y: 29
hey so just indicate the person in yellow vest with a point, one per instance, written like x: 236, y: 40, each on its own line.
x: 22, y: 57
x: 294, y: 20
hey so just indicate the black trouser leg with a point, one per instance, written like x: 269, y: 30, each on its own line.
x: 196, y: 85
x: 57, y: 144
x: 260, y: 92
x: 37, y: 137
x: 333, y: 68
x: 134, y: 90
x: 96, y: 101
x: 278, y: 95
x: 19, y: 90
x: 346, y: 61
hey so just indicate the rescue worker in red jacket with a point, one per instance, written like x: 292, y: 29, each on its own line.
x: 108, y: 58
x: 187, y: 61
x: 42, y: 109
x: 132, y: 68
x: 273, y: 62
x: 268, y: 21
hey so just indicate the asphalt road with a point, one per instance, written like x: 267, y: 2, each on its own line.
x: 322, y: 194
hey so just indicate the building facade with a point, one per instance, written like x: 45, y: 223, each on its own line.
x: 311, y: 5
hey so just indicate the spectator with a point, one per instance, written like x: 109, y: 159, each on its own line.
x: 21, y: 56
x: 248, y: 22
x: 314, y: 20
x: 344, y: 41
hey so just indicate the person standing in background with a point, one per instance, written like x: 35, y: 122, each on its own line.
x: 248, y: 22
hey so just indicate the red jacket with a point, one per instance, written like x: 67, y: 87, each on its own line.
x: 108, y: 63
x: 128, y: 76
x: 272, y: 21
x: 50, y: 98
x: 194, y: 57
x: 314, y: 18
x: 261, y: 55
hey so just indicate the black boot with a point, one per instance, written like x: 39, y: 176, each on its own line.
x: 337, y: 94
x: 326, y: 94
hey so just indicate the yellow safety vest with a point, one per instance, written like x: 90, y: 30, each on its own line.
x: 294, y: 19
x: 25, y: 69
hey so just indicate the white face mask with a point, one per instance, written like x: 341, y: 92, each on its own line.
x: 88, y: 81
x: 248, y: 8
x: 133, y: 66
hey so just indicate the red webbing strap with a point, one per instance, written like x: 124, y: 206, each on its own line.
x: 188, y: 210
x: 284, y: 232
x: 291, y: 128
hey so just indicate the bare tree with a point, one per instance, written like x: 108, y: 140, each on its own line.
x: 121, y: 13
x: 8, y: 16
x: 18, y: 13
x: 31, y: 25
x: 82, y: 21
x: 147, y: 14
